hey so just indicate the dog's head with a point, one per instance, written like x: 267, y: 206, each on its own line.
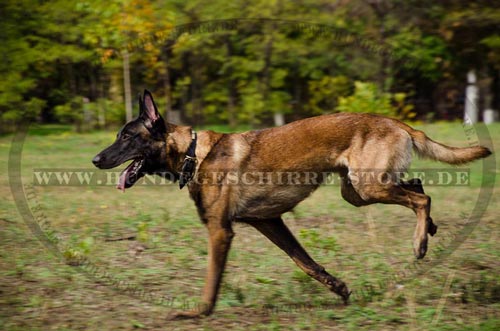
x: 141, y: 140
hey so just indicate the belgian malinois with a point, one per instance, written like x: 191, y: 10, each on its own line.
x: 345, y: 143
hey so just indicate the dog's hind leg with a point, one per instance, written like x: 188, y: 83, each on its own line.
x: 281, y: 236
x: 372, y: 170
x: 349, y: 193
x: 415, y: 185
x: 374, y: 191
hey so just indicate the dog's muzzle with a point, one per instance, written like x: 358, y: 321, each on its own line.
x: 97, y: 160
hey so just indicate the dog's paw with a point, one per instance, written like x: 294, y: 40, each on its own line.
x: 420, y: 248
x: 345, y: 297
x: 183, y: 315
x: 201, y: 310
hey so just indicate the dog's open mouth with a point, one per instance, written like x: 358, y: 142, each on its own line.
x: 130, y: 174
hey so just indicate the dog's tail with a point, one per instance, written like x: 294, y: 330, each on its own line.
x: 429, y: 148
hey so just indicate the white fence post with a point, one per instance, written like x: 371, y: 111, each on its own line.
x: 471, y: 98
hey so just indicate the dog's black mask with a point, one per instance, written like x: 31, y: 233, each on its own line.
x: 141, y: 140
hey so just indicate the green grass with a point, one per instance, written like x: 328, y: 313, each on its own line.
x: 262, y: 289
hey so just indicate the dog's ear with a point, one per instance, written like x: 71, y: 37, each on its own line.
x: 149, y: 112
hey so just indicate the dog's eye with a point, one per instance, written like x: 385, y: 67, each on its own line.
x: 125, y: 136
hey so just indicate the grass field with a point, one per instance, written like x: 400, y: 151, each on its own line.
x: 163, y: 253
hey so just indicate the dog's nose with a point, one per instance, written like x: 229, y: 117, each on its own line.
x: 96, y: 160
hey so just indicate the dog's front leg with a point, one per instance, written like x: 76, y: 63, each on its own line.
x: 220, y: 238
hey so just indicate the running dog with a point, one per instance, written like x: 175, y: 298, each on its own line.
x: 349, y: 144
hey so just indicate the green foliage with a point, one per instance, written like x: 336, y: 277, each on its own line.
x: 75, y: 253
x: 368, y: 99
x: 426, y: 53
x: 252, y: 103
x: 55, y: 52
x: 71, y: 112
x: 313, y: 238
x: 326, y: 91
x: 142, y: 232
x: 86, y: 115
x: 30, y: 110
x: 492, y: 41
x: 403, y: 109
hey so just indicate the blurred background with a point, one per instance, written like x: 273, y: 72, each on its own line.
x: 73, y: 70
x: 84, y: 62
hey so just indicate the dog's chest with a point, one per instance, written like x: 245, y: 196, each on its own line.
x: 268, y: 201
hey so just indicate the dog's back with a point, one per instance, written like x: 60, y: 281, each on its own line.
x: 276, y: 168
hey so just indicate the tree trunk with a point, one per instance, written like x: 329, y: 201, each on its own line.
x: 126, y: 85
x: 266, y: 73
x: 381, y: 9
x: 167, y: 87
x: 101, y: 102
x: 231, y: 88
x: 279, y: 119
x: 196, y: 90
x: 471, y: 99
x: 101, y: 113
x: 297, y: 90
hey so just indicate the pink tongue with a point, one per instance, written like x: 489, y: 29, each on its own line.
x: 123, y: 178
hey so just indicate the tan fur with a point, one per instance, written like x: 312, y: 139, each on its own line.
x: 427, y: 147
x: 344, y: 143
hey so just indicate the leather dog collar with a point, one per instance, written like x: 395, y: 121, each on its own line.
x: 189, y: 164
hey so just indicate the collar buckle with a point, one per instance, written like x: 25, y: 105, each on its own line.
x: 189, y: 165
